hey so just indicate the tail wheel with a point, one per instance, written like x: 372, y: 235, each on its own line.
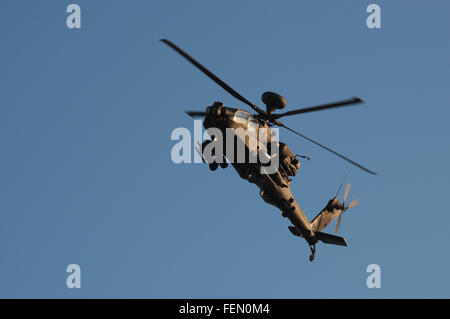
x: 313, y: 252
x: 213, y: 166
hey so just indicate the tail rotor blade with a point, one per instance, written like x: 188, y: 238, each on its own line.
x: 337, y: 193
x: 353, y: 204
x: 347, y: 189
x: 338, y: 223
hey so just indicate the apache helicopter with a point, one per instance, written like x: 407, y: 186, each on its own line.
x: 274, y: 187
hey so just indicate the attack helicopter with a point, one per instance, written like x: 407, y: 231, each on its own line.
x: 274, y: 186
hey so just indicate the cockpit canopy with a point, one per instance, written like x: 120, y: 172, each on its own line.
x: 241, y: 117
x: 245, y: 119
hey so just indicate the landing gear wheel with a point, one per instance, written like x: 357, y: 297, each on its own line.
x: 311, y: 257
x: 213, y: 166
x: 224, y: 164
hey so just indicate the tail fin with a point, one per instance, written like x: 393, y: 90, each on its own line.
x: 333, y: 209
x: 331, y: 239
x: 327, y: 215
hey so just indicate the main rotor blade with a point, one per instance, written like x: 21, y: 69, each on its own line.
x: 225, y: 86
x: 353, y: 100
x: 328, y: 149
x: 196, y: 113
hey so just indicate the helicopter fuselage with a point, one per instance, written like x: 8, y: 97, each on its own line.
x: 274, y: 186
x: 273, y: 183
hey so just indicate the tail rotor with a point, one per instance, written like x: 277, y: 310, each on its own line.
x: 344, y: 208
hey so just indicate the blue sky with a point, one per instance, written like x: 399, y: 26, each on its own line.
x: 86, y: 175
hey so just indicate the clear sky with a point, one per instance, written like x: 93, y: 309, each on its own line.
x: 86, y: 175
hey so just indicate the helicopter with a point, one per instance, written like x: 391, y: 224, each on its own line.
x: 274, y: 186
